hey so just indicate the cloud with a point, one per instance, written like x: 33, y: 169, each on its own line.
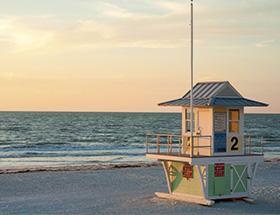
x: 118, y: 25
x: 265, y: 43
x: 114, y: 11
x: 20, y: 36
x: 10, y: 75
x: 170, y: 6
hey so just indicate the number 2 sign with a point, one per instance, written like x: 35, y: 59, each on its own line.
x: 234, y: 144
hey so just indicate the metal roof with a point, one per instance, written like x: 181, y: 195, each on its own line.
x: 185, y: 102
x: 205, y: 90
x: 236, y: 102
x: 213, y: 94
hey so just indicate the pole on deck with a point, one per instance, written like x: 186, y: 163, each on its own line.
x: 191, y: 152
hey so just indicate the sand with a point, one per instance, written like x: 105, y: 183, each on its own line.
x: 119, y: 189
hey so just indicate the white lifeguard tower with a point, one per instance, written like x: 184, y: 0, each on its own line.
x: 221, y: 162
x: 212, y: 158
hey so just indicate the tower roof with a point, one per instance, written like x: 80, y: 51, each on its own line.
x: 213, y: 94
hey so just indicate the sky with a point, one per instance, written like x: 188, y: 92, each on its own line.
x: 129, y: 55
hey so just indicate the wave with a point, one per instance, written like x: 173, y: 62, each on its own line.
x: 61, y: 154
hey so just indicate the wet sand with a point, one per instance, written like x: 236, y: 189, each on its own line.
x: 119, y: 189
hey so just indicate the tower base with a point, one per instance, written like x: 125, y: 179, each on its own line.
x: 186, y: 198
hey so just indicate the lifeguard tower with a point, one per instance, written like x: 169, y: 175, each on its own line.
x: 220, y: 162
x: 212, y: 158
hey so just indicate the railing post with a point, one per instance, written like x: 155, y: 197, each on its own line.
x: 158, y: 141
x: 180, y: 137
x: 168, y: 139
x: 171, y: 143
x: 262, y: 145
x: 147, y: 144
x: 245, y: 148
x: 197, y: 145
x: 249, y: 148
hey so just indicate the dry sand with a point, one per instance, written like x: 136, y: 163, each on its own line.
x: 119, y: 189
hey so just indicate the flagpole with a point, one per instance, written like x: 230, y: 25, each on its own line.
x: 191, y: 152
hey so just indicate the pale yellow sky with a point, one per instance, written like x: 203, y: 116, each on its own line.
x: 121, y: 55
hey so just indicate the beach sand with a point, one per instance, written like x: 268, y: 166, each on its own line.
x: 119, y: 189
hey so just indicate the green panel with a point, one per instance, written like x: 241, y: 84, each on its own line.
x: 180, y: 184
x: 240, y: 188
x: 228, y: 179
x: 218, y: 186
x: 211, y: 180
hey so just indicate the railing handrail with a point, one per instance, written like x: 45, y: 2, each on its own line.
x: 253, y: 135
x: 169, y: 143
x: 179, y: 135
x: 174, y: 135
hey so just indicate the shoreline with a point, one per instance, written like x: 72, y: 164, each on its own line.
x: 88, y: 167
x: 78, y: 167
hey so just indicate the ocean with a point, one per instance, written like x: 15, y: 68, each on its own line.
x: 29, y: 139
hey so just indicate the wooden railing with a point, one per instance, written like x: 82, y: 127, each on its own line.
x: 251, y: 140
x: 175, y: 144
x: 178, y: 145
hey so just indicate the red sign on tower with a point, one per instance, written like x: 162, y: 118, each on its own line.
x: 219, y: 170
x: 187, y: 170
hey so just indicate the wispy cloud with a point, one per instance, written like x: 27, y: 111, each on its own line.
x: 119, y: 26
x: 265, y: 43
x: 171, y: 6
x: 115, y: 11
x: 10, y: 75
x: 20, y: 36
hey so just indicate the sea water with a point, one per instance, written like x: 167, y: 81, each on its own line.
x: 66, y: 138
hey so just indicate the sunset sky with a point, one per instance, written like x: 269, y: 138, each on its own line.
x: 129, y: 55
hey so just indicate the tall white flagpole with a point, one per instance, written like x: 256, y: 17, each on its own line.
x: 191, y: 152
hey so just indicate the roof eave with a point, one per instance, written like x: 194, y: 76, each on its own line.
x: 241, y: 102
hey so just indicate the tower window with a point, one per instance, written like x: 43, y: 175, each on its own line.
x: 188, y: 120
x: 234, y: 120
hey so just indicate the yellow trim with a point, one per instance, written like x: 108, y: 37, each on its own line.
x: 220, y: 109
